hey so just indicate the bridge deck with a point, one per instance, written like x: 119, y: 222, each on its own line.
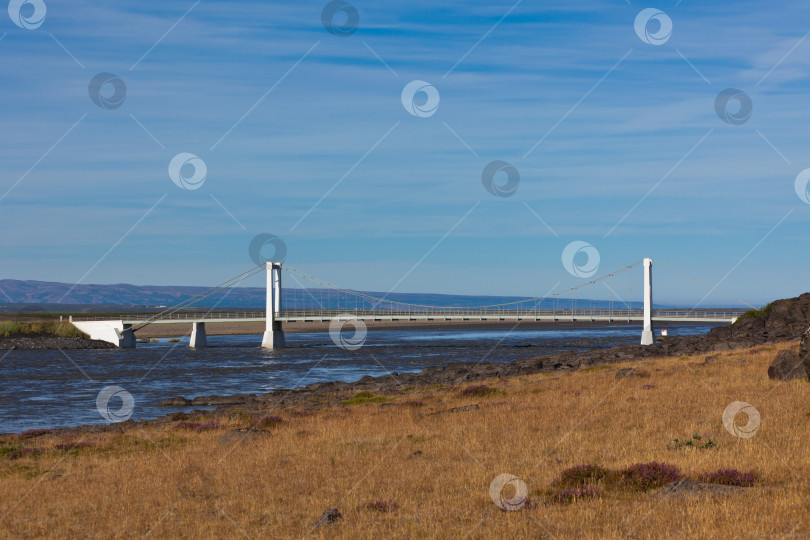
x: 325, y: 316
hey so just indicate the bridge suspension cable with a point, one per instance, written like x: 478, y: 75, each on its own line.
x: 376, y: 300
x: 714, y: 289
x: 202, y: 296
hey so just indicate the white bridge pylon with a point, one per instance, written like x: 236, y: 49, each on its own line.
x: 273, y: 334
x: 647, y: 337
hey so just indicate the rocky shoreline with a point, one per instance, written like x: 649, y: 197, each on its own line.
x: 41, y: 342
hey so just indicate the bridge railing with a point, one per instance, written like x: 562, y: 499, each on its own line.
x: 472, y: 312
x: 432, y: 313
x: 184, y: 316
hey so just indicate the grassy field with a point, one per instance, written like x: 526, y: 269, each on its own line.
x: 396, y: 470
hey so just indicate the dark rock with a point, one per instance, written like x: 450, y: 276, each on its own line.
x: 48, y: 342
x: 631, y: 372
x: 328, y: 517
x: 708, y: 361
x: 787, y: 366
x: 783, y: 320
x: 175, y: 402
x: 236, y: 436
x: 804, y: 352
x: 473, y: 407
x: 236, y: 399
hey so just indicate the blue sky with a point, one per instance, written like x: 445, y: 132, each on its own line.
x: 590, y: 115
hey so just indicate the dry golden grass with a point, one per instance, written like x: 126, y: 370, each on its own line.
x: 163, y: 482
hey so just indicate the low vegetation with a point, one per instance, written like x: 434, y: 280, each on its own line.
x: 696, y: 441
x: 50, y: 328
x: 729, y: 477
x: 364, y: 397
x: 758, y: 313
x: 479, y: 390
x: 196, y: 426
x: 593, y: 452
x: 587, y: 481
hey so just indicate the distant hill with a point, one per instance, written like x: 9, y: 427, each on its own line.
x: 52, y: 296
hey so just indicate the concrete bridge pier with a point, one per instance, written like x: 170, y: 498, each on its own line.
x: 198, y: 339
x: 127, y: 340
x: 273, y: 334
x: 647, y: 337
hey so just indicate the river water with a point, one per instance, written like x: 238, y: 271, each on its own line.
x: 49, y: 389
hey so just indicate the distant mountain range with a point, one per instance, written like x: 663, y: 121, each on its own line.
x: 33, y: 296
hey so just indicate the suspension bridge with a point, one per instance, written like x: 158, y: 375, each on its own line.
x: 326, y: 302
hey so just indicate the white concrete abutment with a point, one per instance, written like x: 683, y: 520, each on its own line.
x: 115, y: 332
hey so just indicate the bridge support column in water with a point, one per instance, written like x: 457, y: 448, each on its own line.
x: 647, y: 337
x: 127, y: 340
x: 198, y: 339
x: 273, y: 334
